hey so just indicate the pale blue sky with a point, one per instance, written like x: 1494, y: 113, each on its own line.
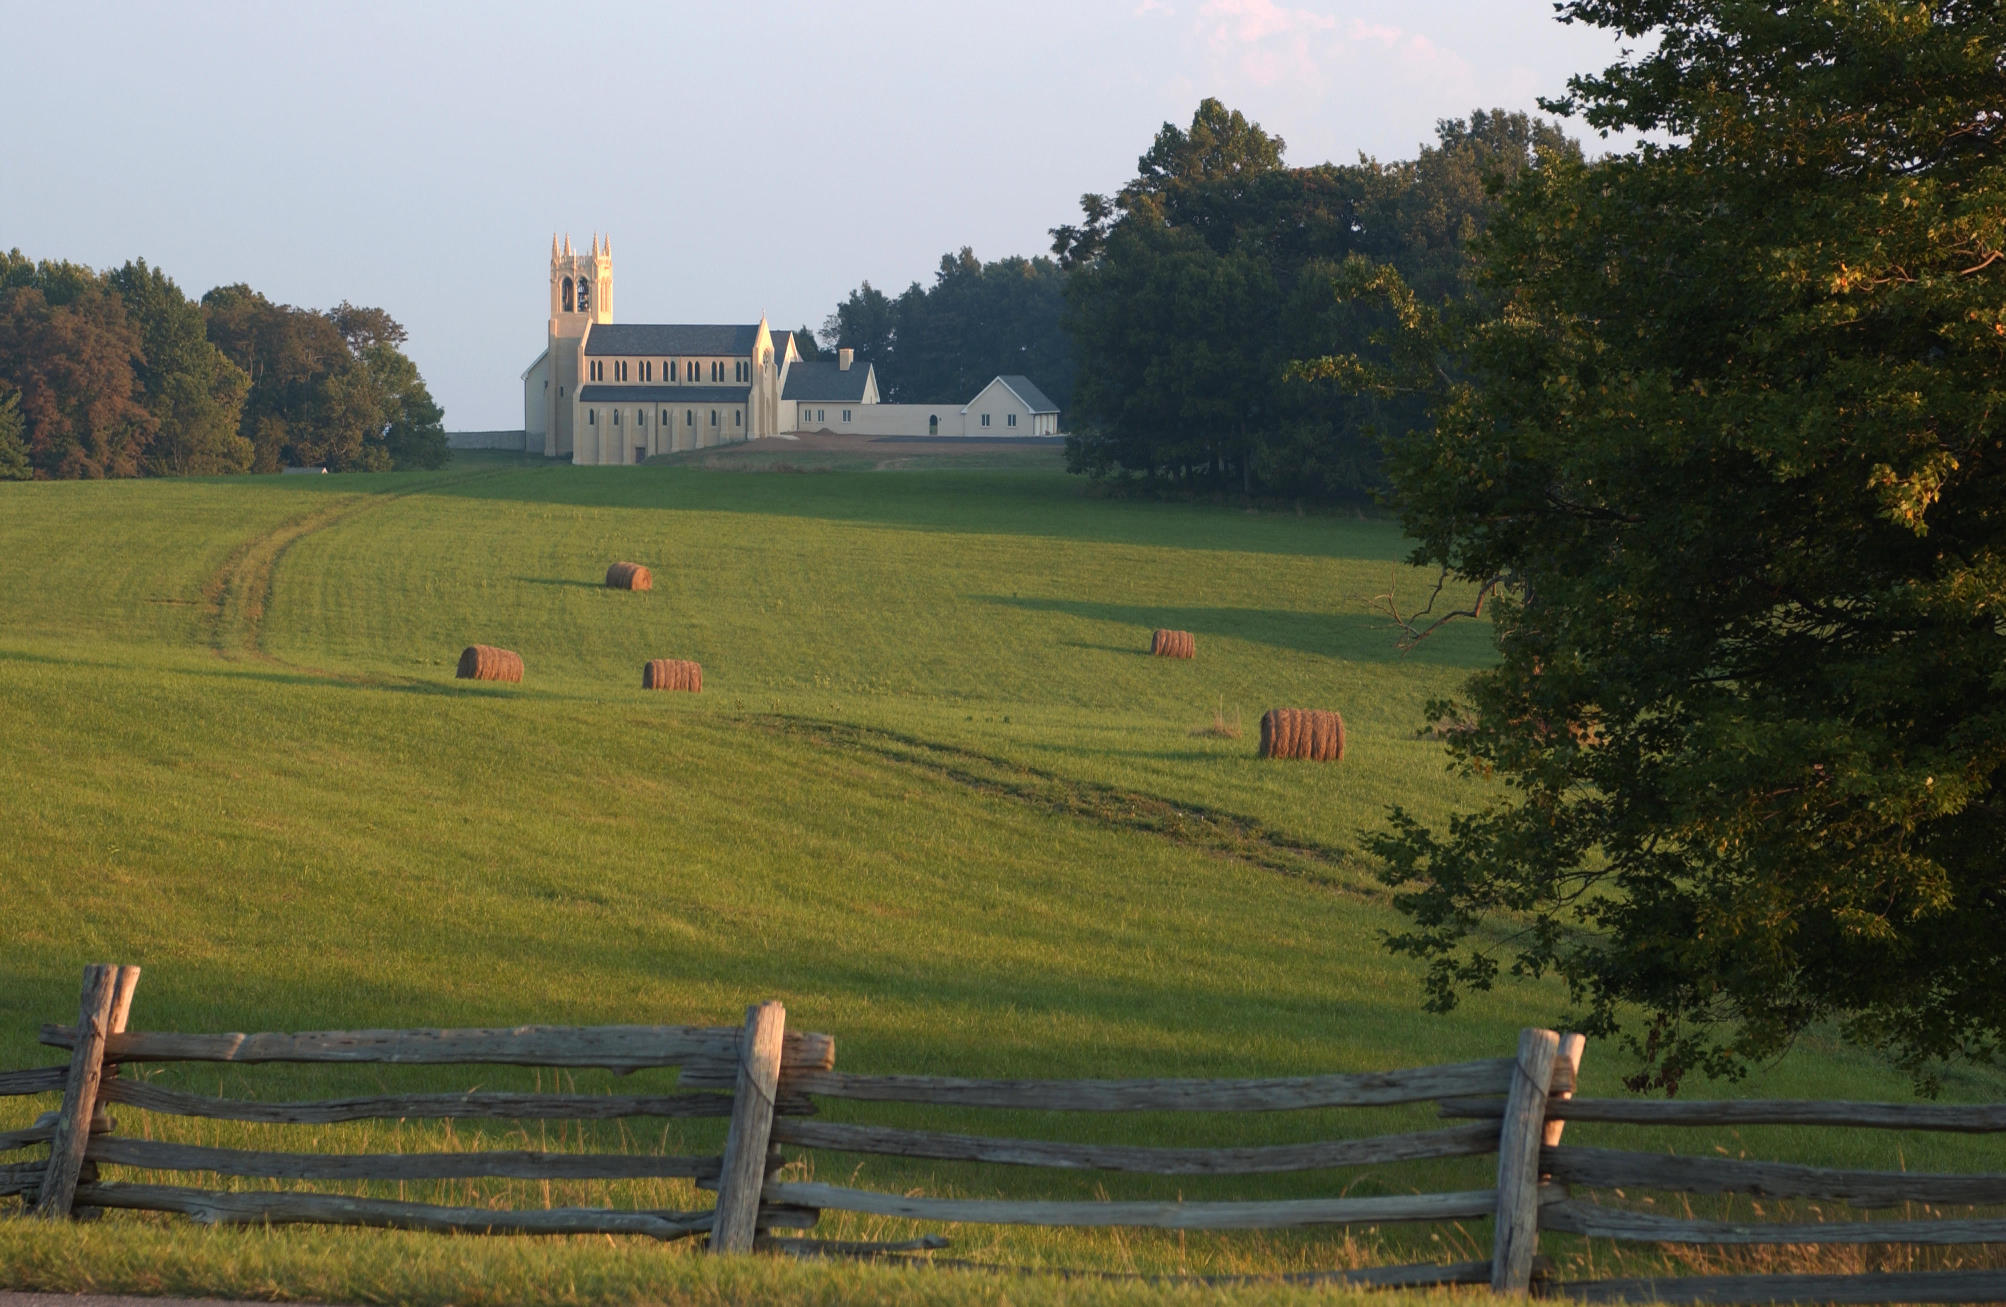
x: 753, y: 157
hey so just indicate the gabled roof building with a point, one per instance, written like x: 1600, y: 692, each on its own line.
x: 607, y: 393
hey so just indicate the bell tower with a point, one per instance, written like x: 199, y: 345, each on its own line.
x: 581, y: 286
x: 581, y: 297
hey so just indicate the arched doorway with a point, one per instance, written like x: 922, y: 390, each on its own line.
x: 933, y: 424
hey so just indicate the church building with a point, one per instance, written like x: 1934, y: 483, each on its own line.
x: 607, y: 393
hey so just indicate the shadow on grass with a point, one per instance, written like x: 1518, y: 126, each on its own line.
x: 959, y: 500
x: 49, y: 660
x: 269, y: 674
x: 1128, y: 649
x: 566, y: 582
x: 1357, y: 637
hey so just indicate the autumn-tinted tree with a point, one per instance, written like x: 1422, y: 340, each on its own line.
x: 68, y: 349
x: 118, y: 374
x: 1726, y: 446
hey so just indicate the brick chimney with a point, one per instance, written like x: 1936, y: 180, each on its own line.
x: 844, y: 358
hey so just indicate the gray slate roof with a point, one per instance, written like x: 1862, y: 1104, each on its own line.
x: 666, y: 395
x: 826, y: 382
x: 634, y: 338
x: 1030, y: 394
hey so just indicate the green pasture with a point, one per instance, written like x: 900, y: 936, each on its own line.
x: 935, y: 796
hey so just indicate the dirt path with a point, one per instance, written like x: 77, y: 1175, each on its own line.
x: 238, y: 593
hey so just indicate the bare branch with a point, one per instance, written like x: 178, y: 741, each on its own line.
x: 1418, y: 625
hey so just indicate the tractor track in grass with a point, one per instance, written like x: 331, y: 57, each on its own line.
x: 238, y: 593
x: 1222, y: 834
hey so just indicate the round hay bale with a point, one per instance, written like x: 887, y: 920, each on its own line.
x: 629, y: 576
x: 1311, y: 733
x: 484, y: 662
x: 672, y: 674
x: 1172, y: 644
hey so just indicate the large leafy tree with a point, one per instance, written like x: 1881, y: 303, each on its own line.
x: 865, y: 322
x: 945, y: 341
x: 413, y: 432
x: 330, y: 389
x: 1172, y: 309
x: 69, y: 350
x: 1729, y: 462
x: 194, y: 392
x: 1212, y: 205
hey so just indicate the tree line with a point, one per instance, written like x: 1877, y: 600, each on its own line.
x: 1171, y: 320
x: 1196, y: 290
x: 118, y: 373
x: 977, y: 320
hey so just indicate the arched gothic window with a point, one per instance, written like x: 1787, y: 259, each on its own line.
x: 584, y: 295
x: 567, y: 294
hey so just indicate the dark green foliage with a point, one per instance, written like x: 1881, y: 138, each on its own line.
x: 195, y: 394
x: 327, y: 389
x: 1182, y: 364
x: 944, y: 342
x: 414, y: 433
x: 865, y: 322
x: 14, y: 464
x: 1196, y: 288
x: 804, y: 345
x: 1724, y: 435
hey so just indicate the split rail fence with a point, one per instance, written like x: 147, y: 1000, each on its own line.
x: 765, y: 1079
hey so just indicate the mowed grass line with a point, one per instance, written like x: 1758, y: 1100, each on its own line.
x: 935, y: 797
x: 238, y: 591
x: 981, y: 612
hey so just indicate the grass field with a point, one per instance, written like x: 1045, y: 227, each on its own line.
x: 935, y: 796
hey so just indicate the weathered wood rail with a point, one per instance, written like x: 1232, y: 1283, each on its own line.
x: 766, y: 1079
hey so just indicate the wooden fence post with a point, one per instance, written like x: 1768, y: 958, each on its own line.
x: 1571, y: 1046
x: 743, y: 1174
x: 102, y: 1010
x: 1519, y: 1139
